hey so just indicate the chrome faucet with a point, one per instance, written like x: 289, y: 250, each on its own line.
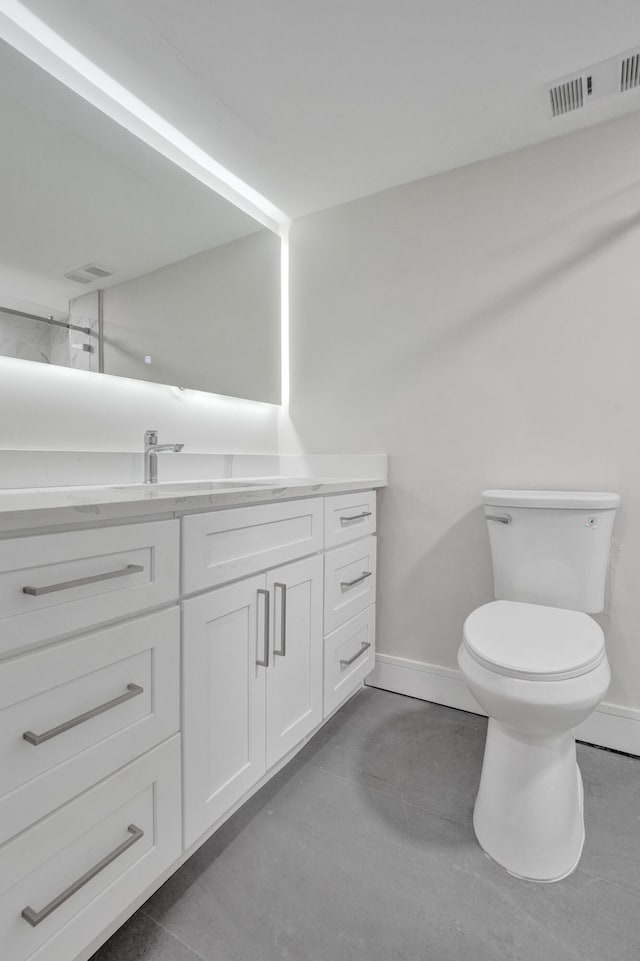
x: 151, y: 450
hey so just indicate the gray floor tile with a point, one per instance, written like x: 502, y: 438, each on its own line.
x: 578, y: 919
x: 362, y: 849
x: 439, y: 762
x: 404, y: 748
x: 141, y: 939
x: 612, y: 816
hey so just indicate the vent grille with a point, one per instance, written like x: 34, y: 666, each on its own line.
x: 630, y: 72
x: 88, y: 274
x: 566, y: 97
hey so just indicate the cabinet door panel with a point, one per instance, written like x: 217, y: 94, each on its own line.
x: 294, y: 680
x: 43, y: 690
x: 348, y: 517
x: 350, y: 581
x: 349, y: 655
x: 224, y: 701
x: 66, y: 582
x: 132, y: 816
x: 224, y: 545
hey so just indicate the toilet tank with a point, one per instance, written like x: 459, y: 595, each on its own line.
x: 551, y: 547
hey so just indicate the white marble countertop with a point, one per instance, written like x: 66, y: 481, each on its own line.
x: 22, y: 508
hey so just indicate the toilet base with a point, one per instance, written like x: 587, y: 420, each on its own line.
x: 528, y: 814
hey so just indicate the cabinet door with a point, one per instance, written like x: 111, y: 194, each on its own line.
x: 294, y: 677
x: 224, y: 700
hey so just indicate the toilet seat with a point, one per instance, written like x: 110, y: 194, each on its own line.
x: 533, y: 642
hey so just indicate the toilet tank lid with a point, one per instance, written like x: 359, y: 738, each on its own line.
x: 578, y: 500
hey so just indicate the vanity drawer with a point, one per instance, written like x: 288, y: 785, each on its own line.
x: 349, y: 516
x: 225, y: 545
x: 349, y: 655
x: 87, y: 706
x: 117, y: 837
x: 56, y: 584
x: 349, y: 581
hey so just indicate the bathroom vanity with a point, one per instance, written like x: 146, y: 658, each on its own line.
x: 163, y: 653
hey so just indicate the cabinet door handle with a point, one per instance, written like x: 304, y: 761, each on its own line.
x: 365, y: 647
x: 265, y: 637
x: 356, y: 517
x: 283, y: 619
x: 81, y: 581
x: 345, y: 585
x: 132, y: 691
x: 35, y: 917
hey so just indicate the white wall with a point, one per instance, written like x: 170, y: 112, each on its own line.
x: 483, y: 326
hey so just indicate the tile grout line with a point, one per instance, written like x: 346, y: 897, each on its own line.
x: 175, y: 937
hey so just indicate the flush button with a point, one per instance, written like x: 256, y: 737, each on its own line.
x: 592, y: 521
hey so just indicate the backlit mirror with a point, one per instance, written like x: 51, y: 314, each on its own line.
x: 114, y: 259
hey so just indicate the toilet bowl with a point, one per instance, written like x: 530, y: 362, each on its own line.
x: 537, y: 672
x: 535, y: 662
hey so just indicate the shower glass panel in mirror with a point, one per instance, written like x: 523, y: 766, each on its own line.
x: 114, y: 259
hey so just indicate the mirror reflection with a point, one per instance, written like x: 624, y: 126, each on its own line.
x: 115, y: 260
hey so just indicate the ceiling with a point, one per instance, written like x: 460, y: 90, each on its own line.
x: 316, y: 102
x: 77, y: 188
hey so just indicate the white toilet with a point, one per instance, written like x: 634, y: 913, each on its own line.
x: 536, y: 662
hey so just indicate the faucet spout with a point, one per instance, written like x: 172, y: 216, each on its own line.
x: 151, y: 450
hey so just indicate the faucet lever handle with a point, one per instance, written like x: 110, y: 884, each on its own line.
x: 151, y: 436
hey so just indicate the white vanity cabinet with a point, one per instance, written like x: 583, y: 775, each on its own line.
x: 294, y: 675
x: 252, y: 684
x: 152, y: 675
x: 224, y: 690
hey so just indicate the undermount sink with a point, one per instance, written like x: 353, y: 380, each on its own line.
x: 186, y: 487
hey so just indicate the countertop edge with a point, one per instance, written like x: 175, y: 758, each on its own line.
x: 86, y: 508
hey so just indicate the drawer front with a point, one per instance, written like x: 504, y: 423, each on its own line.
x: 225, y: 545
x: 56, y: 584
x: 349, y: 581
x: 349, y: 516
x: 349, y: 655
x: 118, y: 837
x: 87, y: 707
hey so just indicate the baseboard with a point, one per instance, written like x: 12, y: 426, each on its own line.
x: 610, y: 725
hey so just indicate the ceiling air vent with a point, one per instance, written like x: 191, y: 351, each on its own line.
x: 604, y: 79
x: 88, y: 274
x: 566, y: 96
x: 630, y: 72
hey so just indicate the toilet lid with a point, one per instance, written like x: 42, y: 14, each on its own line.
x: 531, y: 641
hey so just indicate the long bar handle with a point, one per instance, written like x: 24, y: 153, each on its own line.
x: 345, y: 585
x: 265, y: 650
x: 81, y: 581
x: 132, y: 691
x: 500, y: 518
x: 283, y: 619
x: 365, y: 647
x: 35, y: 917
x: 356, y: 517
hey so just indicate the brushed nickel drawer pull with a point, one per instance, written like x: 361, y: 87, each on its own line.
x: 35, y: 917
x: 345, y: 585
x: 356, y: 517
x: 500, y: 518
x: 283, y: 619
x: 132, y: 691
x: 265, y: 651
x: 365, y: 647
x: 81, y: 581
